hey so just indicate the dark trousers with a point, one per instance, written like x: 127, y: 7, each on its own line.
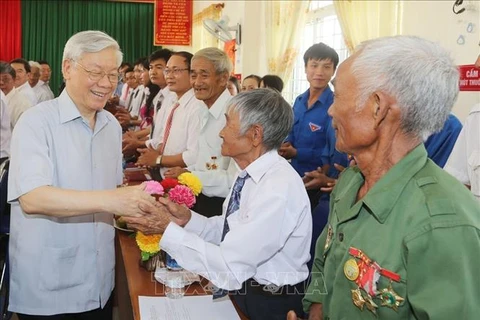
x: 96, y: 314
x: 257, y: 304
x: 319, y: 221
x: 208, y: 206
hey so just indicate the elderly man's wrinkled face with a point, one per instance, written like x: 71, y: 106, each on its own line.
x: 206, y: 82
x: 7, y: 83
x: 34, y: 76
x: 91, y: 80
x: 353, y: 124
x: 234, y: 144
x: 319, y: 73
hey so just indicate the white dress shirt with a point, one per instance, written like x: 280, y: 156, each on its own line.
x: 464, y: 161
x: 5, y: 127
x: 46, y: 88
x: 167, y: 98
x: 124, y: 97
x: 185, y: 129
x: 269, y: 237
x: 137, y: 101
x: 28, y: 92
x: 62, y: 265
x: 17, y: 103
x: 41, y: 93
x: 216, y: 182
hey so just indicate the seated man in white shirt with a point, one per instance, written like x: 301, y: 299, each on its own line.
x: 464, y: 161
x: 22, y: 71
x: 17, y: 102
x: 5, y: 129
x: 45, y: 74
x: 209, y: 76
x: 260, y: 245
x: 178, y: 143
x: 34, y: 81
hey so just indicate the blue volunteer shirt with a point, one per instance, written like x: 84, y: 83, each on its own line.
x: 440, y: 145
x: 308, y: 134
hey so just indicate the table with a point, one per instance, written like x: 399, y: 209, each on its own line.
x: 133, y: 281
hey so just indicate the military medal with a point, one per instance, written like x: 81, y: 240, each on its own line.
x: 358, y: 299
x: 390, y: 298
x: 371, y: 306
x: 212, y: 165
x: 328, y: 241
x: 351, y: 269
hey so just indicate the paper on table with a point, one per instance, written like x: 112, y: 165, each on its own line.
x: 186, y: 308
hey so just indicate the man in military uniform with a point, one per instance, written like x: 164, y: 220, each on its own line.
x: 403, y: 236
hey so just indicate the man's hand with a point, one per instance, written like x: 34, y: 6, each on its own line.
x: 126, y: 201
x: 155, y: 219
x: 180, y: 213
x: 147, y: 158
x: 123, y: 118
x: 287, y: 151
x: 130, y: 145
x: 316, y: 179
x: 174, y: 172
x: 291, y: 315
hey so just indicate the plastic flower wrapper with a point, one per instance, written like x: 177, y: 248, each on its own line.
x: 192, y: 181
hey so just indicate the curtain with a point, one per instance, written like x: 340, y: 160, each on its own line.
x: 284, y: 22
x: 201, y: 38
x: 48, y: 24
x: 364, y: 20
x: 10, y: 30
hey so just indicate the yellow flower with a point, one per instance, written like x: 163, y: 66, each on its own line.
x: 148, y: 243
x: 192, y: 181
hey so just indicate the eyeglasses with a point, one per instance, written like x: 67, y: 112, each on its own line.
x: 97, y: 76
x: 175, y: 72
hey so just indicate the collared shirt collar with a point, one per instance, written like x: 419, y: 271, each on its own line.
x: 69, y: 112
x: 187, y: 96
x: 260, y: 166
x: 384, y: 189
x: 323, y: 97
x: 24, y: 85
x: 11, y: 93
x: 218, y: 106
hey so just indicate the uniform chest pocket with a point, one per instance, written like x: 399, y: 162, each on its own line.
x: 474, y: 168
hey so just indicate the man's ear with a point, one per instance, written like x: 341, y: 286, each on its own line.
x: 381, y: 107
x: 67, y: 69
x: 257, y: 135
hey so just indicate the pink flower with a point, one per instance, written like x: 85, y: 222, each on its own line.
x: 154, y: 187
x: 182, y: 195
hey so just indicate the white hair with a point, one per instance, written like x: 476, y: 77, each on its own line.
x: 216, y: 56
x: 90, y: 41
x: 34, y: 64
x: 420, y: 74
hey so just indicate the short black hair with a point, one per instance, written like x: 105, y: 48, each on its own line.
x: 25, y: 63
x: 43, y: 62
x: 141, y: 61
x: 320, y: 51
x: 235, y: 82
x: 164, y: 54
x: 272, y: 81
x: 254, y: 76
x: 186, y: 55
x: 129, y: 69
x: 124, y: 64
x: 7, y: 68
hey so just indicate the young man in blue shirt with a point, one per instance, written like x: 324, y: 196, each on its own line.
x: 306, y: 141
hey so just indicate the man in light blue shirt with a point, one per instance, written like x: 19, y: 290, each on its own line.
x: 66, y: 162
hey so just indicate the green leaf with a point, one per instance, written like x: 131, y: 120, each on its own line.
x: 145, y: 256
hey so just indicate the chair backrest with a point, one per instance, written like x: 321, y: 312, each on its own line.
x: 4, y: 205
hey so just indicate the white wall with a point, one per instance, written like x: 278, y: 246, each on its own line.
x: 435, y: 20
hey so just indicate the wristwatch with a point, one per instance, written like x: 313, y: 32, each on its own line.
x: 158, y: 162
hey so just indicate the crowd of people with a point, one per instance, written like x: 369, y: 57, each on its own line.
x: 335, y: 207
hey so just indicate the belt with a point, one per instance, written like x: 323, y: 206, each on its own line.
x: 252, y: 286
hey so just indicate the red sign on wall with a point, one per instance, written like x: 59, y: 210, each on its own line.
x: 173, y: 22
x: 469, y: 78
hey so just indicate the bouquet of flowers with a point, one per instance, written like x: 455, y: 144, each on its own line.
x: 182, y: 191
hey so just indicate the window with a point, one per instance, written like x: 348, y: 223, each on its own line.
x: 322, y: 26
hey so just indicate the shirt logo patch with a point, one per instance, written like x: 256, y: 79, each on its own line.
x: 314, y: 127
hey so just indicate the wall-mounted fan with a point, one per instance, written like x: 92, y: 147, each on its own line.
x: 221, y: 30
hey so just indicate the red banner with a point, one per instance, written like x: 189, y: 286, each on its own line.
x: 173, y: 22
x: 469, y: 78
